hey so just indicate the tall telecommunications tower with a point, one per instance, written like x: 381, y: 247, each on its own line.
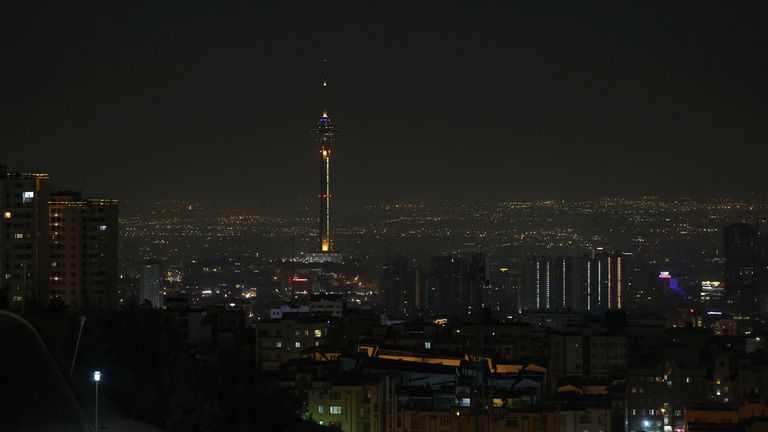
x: 325, y: 135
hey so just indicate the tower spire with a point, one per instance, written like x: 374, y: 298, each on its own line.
x: 325, y: 88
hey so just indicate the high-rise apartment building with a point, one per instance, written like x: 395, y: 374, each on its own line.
x: 84, y: 239
x: 761, y: 272
x: 506, y: 279
x: 151, y: 283
x: 24, y: 238
x: 401, y: 291
x: 594, y: 282
x: 455, y: 285
x: 550, y: 283
x: 539, y: 286
x: 605, y: 280
x: 740, y: 248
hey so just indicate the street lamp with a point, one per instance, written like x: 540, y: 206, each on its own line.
x: 77, y: 345
x: 96, y: 379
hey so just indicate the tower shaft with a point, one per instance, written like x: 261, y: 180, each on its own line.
x: 326, y: 244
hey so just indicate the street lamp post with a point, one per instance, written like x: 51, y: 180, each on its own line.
x: 96, y: 379
x: 77, y: 345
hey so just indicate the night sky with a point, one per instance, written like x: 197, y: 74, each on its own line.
x: 161, y: 99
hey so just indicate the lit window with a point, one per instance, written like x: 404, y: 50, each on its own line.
x: 335, y: 409
x: 297, y: 344
x: 7, y: 215
x: 28, y: 197
x: 102, y: 227
x: 279, y: 344
x: 18, y: 236
x: 318, y: 333
x: 320, y: 409
x: 427, y: 345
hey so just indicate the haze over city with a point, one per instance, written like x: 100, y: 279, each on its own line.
x: 535, y: 100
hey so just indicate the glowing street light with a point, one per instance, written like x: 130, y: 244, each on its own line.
x: 96, y: 379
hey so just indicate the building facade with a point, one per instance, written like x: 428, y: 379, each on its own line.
x: 24, y: 238
x: 278, y: 341
x: 401, y: 291
x: 151, y: 283
x: 84, y: 242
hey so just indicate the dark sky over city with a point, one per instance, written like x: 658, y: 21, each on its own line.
x: 541, y: 99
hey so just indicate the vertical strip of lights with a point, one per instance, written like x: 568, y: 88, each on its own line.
x: 546, y: 280
x: 538, y: 284
x: 599, y: 283
x: 589, y: 285
x: 609, y: 282
x: 328, y: 200
x: 618, y: 282
x: 563, y: 283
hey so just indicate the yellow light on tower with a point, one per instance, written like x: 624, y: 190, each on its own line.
x: 325, y: 247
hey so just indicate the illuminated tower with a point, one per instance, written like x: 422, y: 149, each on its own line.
x: 325, y: 135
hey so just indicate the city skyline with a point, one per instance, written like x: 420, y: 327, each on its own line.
x: 573, y: 101
x: 543, y: 217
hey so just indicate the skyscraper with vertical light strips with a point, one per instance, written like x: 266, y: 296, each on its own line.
x: 325, y: 136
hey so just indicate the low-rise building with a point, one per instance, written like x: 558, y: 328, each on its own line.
x: 278, y: 341
x: 350, y: 403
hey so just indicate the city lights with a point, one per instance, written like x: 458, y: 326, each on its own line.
x: 541, y: 217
